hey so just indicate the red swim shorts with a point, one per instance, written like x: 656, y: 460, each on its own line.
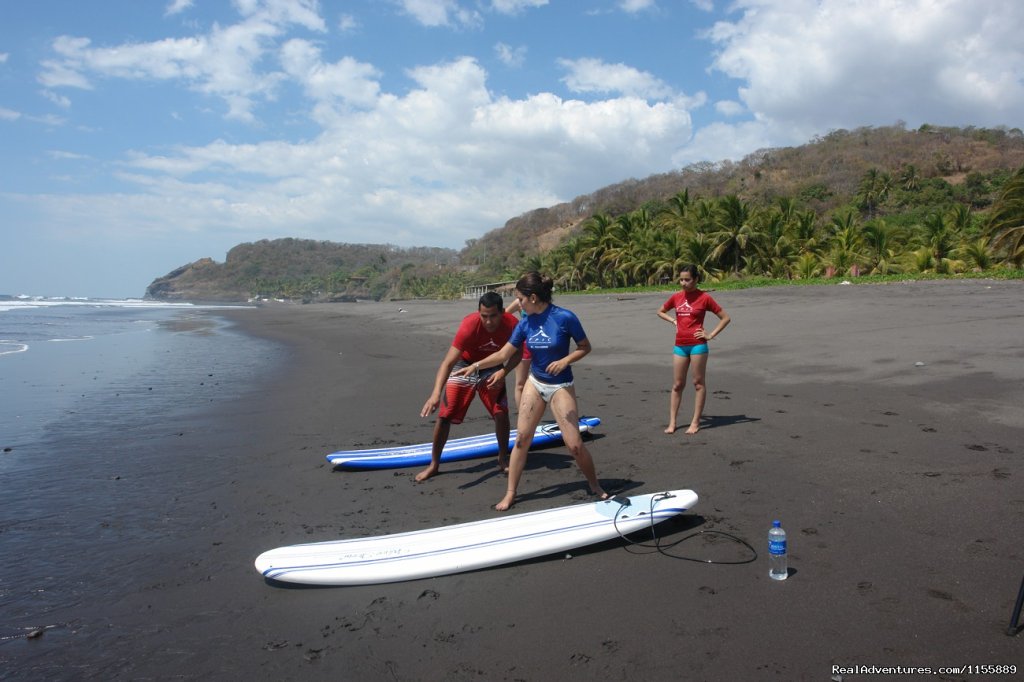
x: 458, y: 394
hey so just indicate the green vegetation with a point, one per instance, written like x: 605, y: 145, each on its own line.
x: 732, y: 239
x: 873, y: 203
x: 756, y: 282
x: 904, y: 220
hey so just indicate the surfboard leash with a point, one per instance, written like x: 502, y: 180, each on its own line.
x: 661, y: 548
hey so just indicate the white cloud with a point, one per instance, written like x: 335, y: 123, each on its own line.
x: 345, y: 82
x: 60, y: 100
x: 9, y: 114
x: 634, y: 6
x: 834, y: 63
x: 3, y: 57
x: 593, y: 75
x: 719, y: 141
x: 438, y: 13
x: 511, y: 56
x: 446, y: 160
x: 515, y: 6
x: 62, y: 155
x: 704, y: 5
x: 177, y: 6
x: 728, y: 107
x: 221, y: 63
x: 347, y: 23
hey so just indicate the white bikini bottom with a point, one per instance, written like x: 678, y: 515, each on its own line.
x: 547, y: 390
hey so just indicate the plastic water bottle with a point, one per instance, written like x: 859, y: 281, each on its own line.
x: 777, y: 568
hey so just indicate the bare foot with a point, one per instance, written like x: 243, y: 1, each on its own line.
x: 506, y: 502
x: 671, y: 428
x: 503, y: 463
x: 427, y: 473
x: 694, y: 428
x: 599, y: 492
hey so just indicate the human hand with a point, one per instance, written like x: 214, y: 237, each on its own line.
x: 430, y: 406
x: 558, y: 366
x: 496, y: 379
x: 466, y: 371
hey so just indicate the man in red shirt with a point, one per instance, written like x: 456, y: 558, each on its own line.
x: 480, y: 334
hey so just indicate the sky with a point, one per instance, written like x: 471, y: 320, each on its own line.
x: 137, y: 136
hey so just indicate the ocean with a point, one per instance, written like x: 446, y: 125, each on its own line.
x: 87, y: 387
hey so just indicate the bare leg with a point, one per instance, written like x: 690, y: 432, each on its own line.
x: 522, y: 372
x: 501, y: 432
x: 680, y: 364
x: 531, y: 409
x: 700, y: 364
x: 442, y: 427
x: 563, y: 406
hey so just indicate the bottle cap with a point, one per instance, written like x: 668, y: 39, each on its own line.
x: 776, y: 524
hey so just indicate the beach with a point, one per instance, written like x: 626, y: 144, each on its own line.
x: 881, y: 424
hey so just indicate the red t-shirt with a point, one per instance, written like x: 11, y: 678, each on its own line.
x: 690, y: 309
x: 476, y: 343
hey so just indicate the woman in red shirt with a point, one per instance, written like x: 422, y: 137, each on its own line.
x: 691, y: 348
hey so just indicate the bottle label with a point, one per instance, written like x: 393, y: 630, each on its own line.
x: 776, y: 547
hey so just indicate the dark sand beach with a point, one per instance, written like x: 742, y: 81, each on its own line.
x: 881, y: 424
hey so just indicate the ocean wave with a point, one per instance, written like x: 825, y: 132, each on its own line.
x: 9, y: 347
x: 24, y: 302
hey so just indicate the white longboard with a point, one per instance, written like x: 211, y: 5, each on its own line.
x: 469, y: 546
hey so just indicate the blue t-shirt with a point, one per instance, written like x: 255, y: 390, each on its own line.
x: 547, y: 336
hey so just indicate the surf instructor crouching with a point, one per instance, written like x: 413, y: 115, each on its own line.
x: 479, y: 335
x: 546, y: 330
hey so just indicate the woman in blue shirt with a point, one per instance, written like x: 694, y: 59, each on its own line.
x: 547, y: 330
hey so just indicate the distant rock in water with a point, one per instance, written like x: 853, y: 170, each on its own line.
x: 302, y: 269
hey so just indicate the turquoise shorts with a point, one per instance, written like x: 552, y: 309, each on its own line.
x: 687, y: 351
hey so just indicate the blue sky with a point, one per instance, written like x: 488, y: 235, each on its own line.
x: 140, y: 135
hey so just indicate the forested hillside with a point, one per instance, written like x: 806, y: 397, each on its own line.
x: 873, y: 200
x: 312, y: 270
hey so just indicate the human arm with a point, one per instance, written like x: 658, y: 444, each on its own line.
x: 505, y: 369
x: 723, y: 322
x: 663, y: 314
x: 583, y: 347
x: 499, y: 357
x: 450, y: 358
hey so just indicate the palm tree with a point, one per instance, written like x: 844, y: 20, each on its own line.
x: 1006, y: 220
x: 674, y: 215
x: 805, y: 231
x: 807, y: 266
x: 597, y: 238
x: 977, y: 254
x: 774, y: 251
x: 910, y: 178
x: 703, y: 216
x: 874, y: 188
x: 845, y: 244
x: 883, y: 244
x: 939, y: 238
x: 732, y: 231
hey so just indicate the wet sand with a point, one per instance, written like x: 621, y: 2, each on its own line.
x: 881, y: 424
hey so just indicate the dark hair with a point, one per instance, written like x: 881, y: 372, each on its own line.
x: 691, y: 270
x: 535, y: 283
x: 492, y: 299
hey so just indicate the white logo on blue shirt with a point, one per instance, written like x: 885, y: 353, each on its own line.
x: 540, y: 340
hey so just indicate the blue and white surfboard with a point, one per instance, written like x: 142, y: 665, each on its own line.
x: 457, y: 449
